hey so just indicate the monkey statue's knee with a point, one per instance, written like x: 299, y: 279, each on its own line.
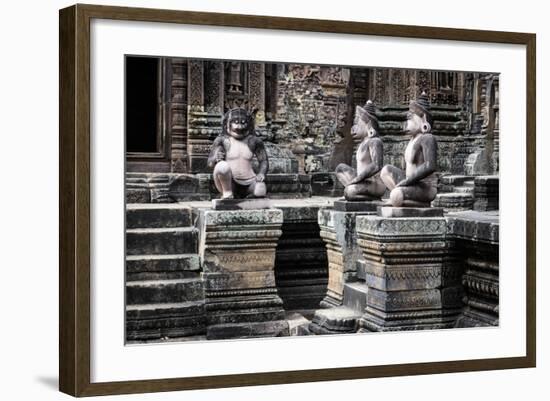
x: 341, y: 168
x: 385, y: 172
x: 260, y: 190
x: 350, y: 192
x: 397, y: 197
x: 222, y: 169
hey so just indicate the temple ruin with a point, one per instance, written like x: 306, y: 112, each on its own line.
x: 309, y: 265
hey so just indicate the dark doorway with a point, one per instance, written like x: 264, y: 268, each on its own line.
x: 142, y: 105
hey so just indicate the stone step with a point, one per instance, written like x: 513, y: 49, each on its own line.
x: 161, y: 241
x: 172, y: 320
x: 161, y: 267
x: 355, y: 296
x: 157, y: 216
x: 339, y: 319
x: 164, y: 291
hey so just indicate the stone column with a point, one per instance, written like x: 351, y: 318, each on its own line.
x: 410, y: 285
x: 338, y: 232
x: 237, y: 251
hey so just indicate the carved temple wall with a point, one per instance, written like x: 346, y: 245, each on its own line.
x: 306, y: 112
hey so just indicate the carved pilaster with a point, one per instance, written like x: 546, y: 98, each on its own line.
x: 214, y: 84
x: 179, y: 116
x: 203, y: 126
x: 256, y: 90
x: 196, y: 85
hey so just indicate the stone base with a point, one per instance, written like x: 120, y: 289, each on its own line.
x: 474, y: 318
x: 277, y: 328
x: 330, y: 302
x: 343, y: 205
x: 337, y: 320
x: 377, y: 321
x: 390, y: 211
x: 241, y: 204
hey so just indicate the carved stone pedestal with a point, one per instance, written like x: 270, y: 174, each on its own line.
x: 237, y: 251
x: 410, y: 284
x: 338, y: 232
x: 476, y: 235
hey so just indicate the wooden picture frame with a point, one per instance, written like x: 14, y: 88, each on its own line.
x: 74, y: 203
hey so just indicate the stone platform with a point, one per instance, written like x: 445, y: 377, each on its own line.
x: 241, y: 204
x: 399, y: 273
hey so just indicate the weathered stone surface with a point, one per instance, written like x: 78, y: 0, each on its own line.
x: 337, y: 320
x: 411, y: 283
x: 389, y: 211
x: 343, y: 205
x: 237, y: 252
x: 164, y: 291
x: 161, y: 241
x: 474, y: 225
x: 276, y: 328
x: 298, y: 325
x: 186, y: 187
x: 476, y: 236
x: 355, y: 295
x: 453, y: 201
x: 148, y: 188
x: 486, y: 193
x: 151, y: 215
x: 161, y: 321
x: 326, y: 184
x: 241, y: 204
x: 157, y: 267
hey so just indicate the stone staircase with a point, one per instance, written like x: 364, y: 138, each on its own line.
x: 456, y: 193
x: 164, y: 288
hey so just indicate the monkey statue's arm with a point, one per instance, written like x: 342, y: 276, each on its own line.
x: 375, y: 149
x: 429, y: 152
x: 258, y: 148
x: 217, y: 147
